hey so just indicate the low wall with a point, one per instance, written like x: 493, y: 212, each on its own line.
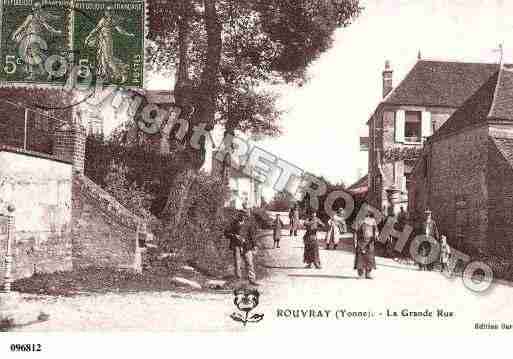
x: 39, y: 187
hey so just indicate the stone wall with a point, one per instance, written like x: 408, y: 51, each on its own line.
x: 417, y: 193
x: 40, y: 189
x: 104, y: 232
x: 500, y: 197
x: 456, y: 187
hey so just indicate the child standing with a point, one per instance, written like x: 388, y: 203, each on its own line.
x: 445, y: 254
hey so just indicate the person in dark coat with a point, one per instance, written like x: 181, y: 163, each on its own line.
x: 294, y: 220
x: 277, y: 226
x: 429, y: 229
x: 311, y: 253
x: 366, y: 236
x: 242, y: 236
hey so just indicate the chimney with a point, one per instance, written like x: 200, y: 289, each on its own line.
x: 69, y: 144
x: 388, y: 84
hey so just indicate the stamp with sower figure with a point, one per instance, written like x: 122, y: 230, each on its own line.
x: 108, y: 37
x: 31, y: 32
x: 42, y: 41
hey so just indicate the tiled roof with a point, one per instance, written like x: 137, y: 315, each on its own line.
x: 502, y: 108
x: 493, y: 101
x: 473, y: 111
x: 440, y: 83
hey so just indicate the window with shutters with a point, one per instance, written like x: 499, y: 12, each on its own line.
x: 413, y: 126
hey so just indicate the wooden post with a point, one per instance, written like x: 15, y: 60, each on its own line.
x: 8, y: 255
x: 25, y: 130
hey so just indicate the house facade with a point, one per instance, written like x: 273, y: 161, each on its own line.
x: 465, y: 173
x: 245, y: 191
x: 409, y: 114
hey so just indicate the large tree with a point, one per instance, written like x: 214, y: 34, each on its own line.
x: 226, y: 52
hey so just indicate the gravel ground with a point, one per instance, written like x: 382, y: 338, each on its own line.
x: 289, y: 286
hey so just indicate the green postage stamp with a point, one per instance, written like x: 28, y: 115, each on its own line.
x: 108, y: 38
x: 31, y: 32
x: 48, y: 41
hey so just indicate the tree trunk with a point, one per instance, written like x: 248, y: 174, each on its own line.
x: 201, y: 102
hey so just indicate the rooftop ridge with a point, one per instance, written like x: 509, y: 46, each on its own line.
x: 492, y: 107
x: 440, y: 83
x: 460, y: 62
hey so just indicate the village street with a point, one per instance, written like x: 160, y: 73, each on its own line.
x: 288, y: 287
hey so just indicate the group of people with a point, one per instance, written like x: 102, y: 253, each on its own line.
x: 242, y: 234
x: 364, y: 261
x: 335, y: 228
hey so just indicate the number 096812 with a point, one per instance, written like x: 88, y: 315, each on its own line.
x: 26, y: 347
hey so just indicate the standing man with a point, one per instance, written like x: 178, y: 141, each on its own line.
x: 242, y: 233
x: 294, y: 220
x: 388, y: 246
x: 402, y: 217
x: 430, y: 230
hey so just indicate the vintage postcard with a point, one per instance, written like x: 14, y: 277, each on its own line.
x: 343, y: 168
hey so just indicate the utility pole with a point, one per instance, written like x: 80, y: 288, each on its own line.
x: 8, y: 254
x: 8, y: 299
x: 25, y: 130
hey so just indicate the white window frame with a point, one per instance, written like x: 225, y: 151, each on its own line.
x: 420, y: 135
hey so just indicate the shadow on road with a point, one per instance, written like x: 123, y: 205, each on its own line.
x: 322, y: 276
x: 271, y: 267
x: 399, y: 266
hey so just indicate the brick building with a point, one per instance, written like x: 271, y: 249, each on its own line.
x: 408, y: 114
x: 465, y: 173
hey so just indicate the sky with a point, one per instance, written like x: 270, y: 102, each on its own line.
x: 325, y: 118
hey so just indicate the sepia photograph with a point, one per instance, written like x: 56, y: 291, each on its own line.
x: 229, y: 167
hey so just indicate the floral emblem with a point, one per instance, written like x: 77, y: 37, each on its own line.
x: 246, y: 300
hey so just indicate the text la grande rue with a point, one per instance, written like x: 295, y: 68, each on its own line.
x: 438, y: 313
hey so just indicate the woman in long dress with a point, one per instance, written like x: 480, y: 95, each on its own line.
x: 311, y: 254
x: 367, y: 234
x: 277, y: 226
x: 336, y: 227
